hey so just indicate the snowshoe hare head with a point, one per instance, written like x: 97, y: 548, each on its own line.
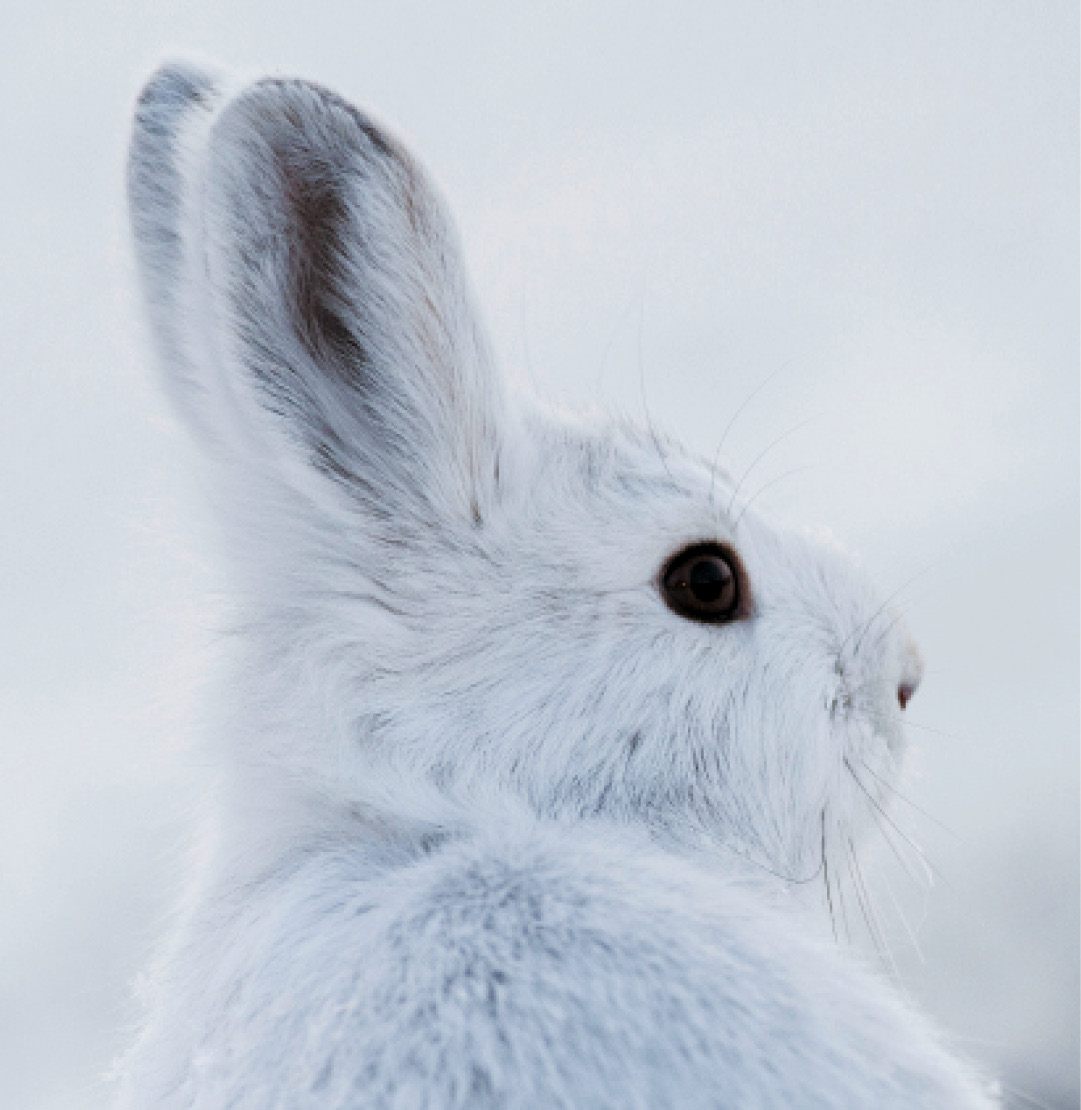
x: 442, y: 581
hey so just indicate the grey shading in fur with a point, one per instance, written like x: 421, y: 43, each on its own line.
x: 493, y: 826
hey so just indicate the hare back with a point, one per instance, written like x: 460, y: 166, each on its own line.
x: 547, y: 967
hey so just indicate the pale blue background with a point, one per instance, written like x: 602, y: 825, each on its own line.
x: 881, y: 199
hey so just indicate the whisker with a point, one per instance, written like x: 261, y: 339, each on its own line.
x: 844, y: 912
x: 773, y: 482
x: 645, y: 406
x: 762, y: 454
x: 916, y: 881
x: 904, y: 920
x: 902, y: 610
x: 898, y: 616
x: 904, y: 798
x: 615, y: 331
x: 769, y: 870
x: 735, y: 416
x: 826, y: 877
x: 884, y: 719
x: 863, y: 912
x: 936, y: 731
x: 870, y: 918
x: 890, y: 821
x: 861, y: 632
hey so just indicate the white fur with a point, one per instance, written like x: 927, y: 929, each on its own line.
x: 495, y: 827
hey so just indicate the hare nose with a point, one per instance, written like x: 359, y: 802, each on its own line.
x: 908, y: 681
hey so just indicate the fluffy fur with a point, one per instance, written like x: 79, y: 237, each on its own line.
x: 496, y: 828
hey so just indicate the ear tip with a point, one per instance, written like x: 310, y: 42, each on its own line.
x: 172, y: 90
x: 169, y: 102
x: 291, y: 111
x: 175, y: 92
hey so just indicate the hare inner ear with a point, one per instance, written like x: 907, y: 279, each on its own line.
x: 317, y: 272
x: 346, y: 300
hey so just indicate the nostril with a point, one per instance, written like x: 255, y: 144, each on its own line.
x: 904, y: 694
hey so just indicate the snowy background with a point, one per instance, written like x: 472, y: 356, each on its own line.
x: 872, y: 209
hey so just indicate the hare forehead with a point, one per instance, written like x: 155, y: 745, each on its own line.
x: 610, y: 480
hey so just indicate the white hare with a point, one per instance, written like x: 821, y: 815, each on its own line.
x: 534, y: 739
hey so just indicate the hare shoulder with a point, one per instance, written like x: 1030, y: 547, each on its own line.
x: 527, y: 968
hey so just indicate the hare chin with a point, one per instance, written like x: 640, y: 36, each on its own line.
x: 500, y: 673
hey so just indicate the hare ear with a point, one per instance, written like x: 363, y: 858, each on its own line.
x: 303, y: 278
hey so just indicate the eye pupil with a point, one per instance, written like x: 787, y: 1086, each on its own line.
x: 702, y: 583
x: 708, y: 577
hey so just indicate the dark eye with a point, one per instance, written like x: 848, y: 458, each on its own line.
x: 702, y: 584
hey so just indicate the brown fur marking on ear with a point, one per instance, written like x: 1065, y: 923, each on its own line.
x: 318, y: 213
